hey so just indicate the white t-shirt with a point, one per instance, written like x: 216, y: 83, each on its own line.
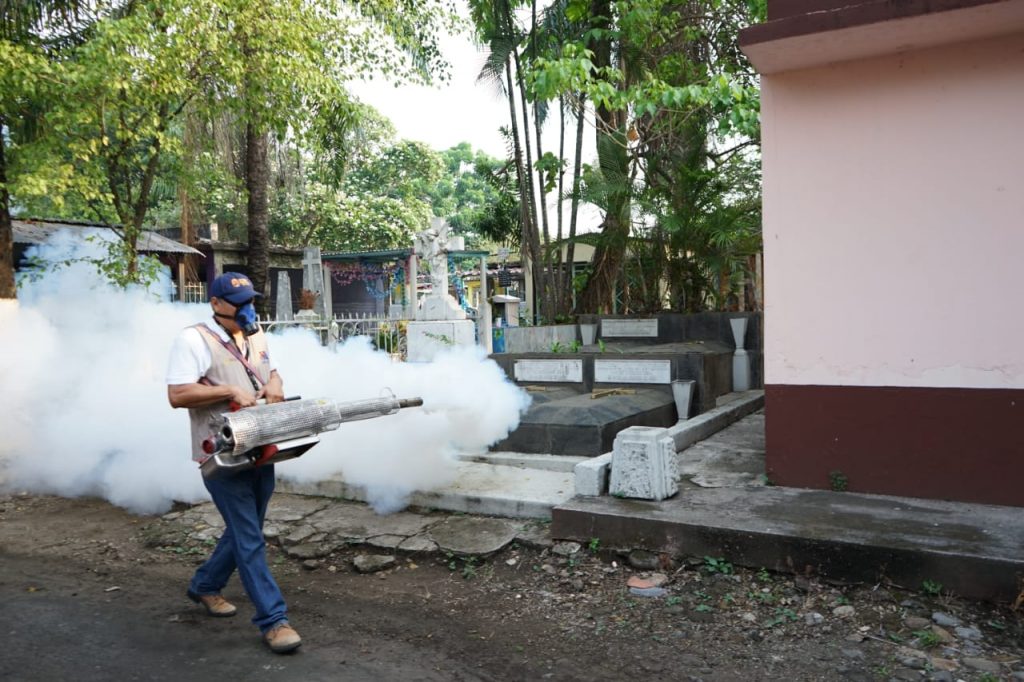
x: 190, y: 356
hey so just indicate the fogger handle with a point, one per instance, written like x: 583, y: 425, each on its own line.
x: 409, y: 402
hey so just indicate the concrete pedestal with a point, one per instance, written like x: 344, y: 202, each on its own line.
x: 427, y: 339
x: 644, y: 464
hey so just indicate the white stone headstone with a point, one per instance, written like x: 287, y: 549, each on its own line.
x: 284, y: 297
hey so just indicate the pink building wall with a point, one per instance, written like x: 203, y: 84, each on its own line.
x: 893, y: 243
x: 894, y: 220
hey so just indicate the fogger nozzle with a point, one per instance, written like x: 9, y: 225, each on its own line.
x: 241, y: 431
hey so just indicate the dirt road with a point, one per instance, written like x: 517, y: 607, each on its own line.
x: 87, y: 595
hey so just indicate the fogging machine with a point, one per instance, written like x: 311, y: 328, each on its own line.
x: 265, y: 434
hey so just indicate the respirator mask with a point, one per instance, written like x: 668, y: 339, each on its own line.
x: 245, y: 318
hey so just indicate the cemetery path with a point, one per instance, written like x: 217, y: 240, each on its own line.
x: 88, y: 594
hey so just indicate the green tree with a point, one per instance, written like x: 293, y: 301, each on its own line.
x: 27, y: 29
x: 293, y: 56
x: 670, y: 91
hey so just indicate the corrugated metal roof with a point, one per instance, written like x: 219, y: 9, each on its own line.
x: 38, y: 231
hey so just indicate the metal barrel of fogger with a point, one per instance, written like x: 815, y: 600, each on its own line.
x: 265, y: 424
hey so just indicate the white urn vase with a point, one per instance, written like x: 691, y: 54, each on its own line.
x: 740, y: 359
x: 682, y: 392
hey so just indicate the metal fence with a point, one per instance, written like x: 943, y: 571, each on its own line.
x: 386, y: 334
x: 193, y: 292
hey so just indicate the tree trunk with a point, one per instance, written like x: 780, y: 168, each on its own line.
x: 577, y: 170
x: 7, y: 288
x: 599, y: 294
x: 558, y: 278
x: 257, y: 174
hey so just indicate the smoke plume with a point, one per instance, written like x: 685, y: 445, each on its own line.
x: 86, y: 409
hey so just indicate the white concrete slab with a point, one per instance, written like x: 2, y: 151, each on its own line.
x: 490, y: 489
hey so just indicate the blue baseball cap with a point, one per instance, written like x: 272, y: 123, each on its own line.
x: 233, y: 287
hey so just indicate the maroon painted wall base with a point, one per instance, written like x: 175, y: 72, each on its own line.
x: 940, y: 443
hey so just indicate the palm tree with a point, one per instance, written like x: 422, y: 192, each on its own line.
x: 23, y: 23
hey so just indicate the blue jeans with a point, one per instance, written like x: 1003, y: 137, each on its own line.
x: 242, y: 500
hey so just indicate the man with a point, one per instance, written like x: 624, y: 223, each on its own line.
x: 211, y: 366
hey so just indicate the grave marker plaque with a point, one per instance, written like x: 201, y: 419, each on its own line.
x: 629, y: 328
x: 632, y: 371
x: 560, y: 371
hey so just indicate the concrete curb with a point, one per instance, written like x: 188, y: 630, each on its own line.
x: 705, y: 425
x: 973, y: 550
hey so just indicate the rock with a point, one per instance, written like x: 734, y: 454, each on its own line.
x: 814, y: 618
x: 945, y: 620
x: 983, y: 665
x: 271, y: 532
x: 577, y: 585
x: 658, y: 579
x: 941, y: 676
x: 642, y: 560
x: 473, y: 536
x: 917, y: 623
x: 880, y: 595
x: 534, y: 535
x: 944, y: 664
x: 648, y: 591
x: 913, y: 663
x: 653, y: 580
x: 417, y: 543
x: 748, y: 618
x: 853, y: 654
x: 942, y: 634
x: 313, y: 550
x: 298, y: 535
x: 371, y: 563
x: 566, y: 548
x: 968, y: 633
x: 385, y: 541
x: 311, y: 564
x: 906, y: 675
x: 911, y: 604
x: 844, y: 611
x: 1019, y: 675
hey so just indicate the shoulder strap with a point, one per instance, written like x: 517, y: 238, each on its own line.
x: 235, y: 353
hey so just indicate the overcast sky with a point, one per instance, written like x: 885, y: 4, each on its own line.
x: 460, y: 110
x: 464, y: 110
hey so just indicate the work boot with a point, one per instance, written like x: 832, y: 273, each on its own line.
x: 282, y: 638
x: 215, y: 605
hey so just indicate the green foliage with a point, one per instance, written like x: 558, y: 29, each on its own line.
x: 838, y: 480
x: 113, y: 107
x: 931, y: 588
x: 927, y: 639
x: 594, y: 545
x: 713, y: 565
x: 781, y: 616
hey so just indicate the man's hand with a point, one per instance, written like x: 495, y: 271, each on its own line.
x: 242, y: 398
x: 273, y: 391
